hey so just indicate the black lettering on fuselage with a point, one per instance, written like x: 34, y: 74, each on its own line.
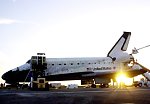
x: 103, y: 68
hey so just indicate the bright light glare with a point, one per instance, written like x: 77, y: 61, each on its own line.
x: 122, y: 78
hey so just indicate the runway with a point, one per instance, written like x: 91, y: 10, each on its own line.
x: 128, y: 95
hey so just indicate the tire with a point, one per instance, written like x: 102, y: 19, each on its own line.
x: 140, y: 84
x: 93, y: 86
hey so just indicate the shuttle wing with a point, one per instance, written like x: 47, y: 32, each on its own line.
x: 135, y: 70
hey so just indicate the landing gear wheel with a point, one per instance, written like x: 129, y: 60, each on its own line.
x: 103, y: 86
x: 140, y: 84
x: 93, y: 86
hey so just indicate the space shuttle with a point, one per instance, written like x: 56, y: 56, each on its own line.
x: 94, y: 70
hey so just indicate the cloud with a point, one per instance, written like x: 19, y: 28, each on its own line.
x: 7, y: 21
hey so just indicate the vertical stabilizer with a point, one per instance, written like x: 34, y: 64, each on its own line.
x: 120, y: 46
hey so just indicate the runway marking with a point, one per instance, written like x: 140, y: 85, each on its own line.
x: 115, y: 90
x: 30, y: 93
x: 80, y: 91
x: 25, y: 94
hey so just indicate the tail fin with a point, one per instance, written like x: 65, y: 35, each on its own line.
x: 120, y: 46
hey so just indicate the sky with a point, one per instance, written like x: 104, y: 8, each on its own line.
x: 70, y: 28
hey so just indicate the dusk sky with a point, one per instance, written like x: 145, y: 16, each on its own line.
x: 70, y: 28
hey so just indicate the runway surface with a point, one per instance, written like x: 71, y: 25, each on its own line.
x: 130, y: 95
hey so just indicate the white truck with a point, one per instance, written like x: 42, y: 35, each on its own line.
x: 55, y: 85
x: 142, y: 83
x: 72, y: 86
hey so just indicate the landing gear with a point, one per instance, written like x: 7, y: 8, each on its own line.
x: 93, y: 86
x: 140, y: 84
x: 102, y: 82
x: 104, y: 85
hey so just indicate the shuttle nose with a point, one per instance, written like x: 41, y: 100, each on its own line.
x: 14, y: 76
x: 17, y: 74
x: 7, y: 76
x: 4, y: 76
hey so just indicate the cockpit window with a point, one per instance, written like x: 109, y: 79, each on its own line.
x: 28, y: 62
